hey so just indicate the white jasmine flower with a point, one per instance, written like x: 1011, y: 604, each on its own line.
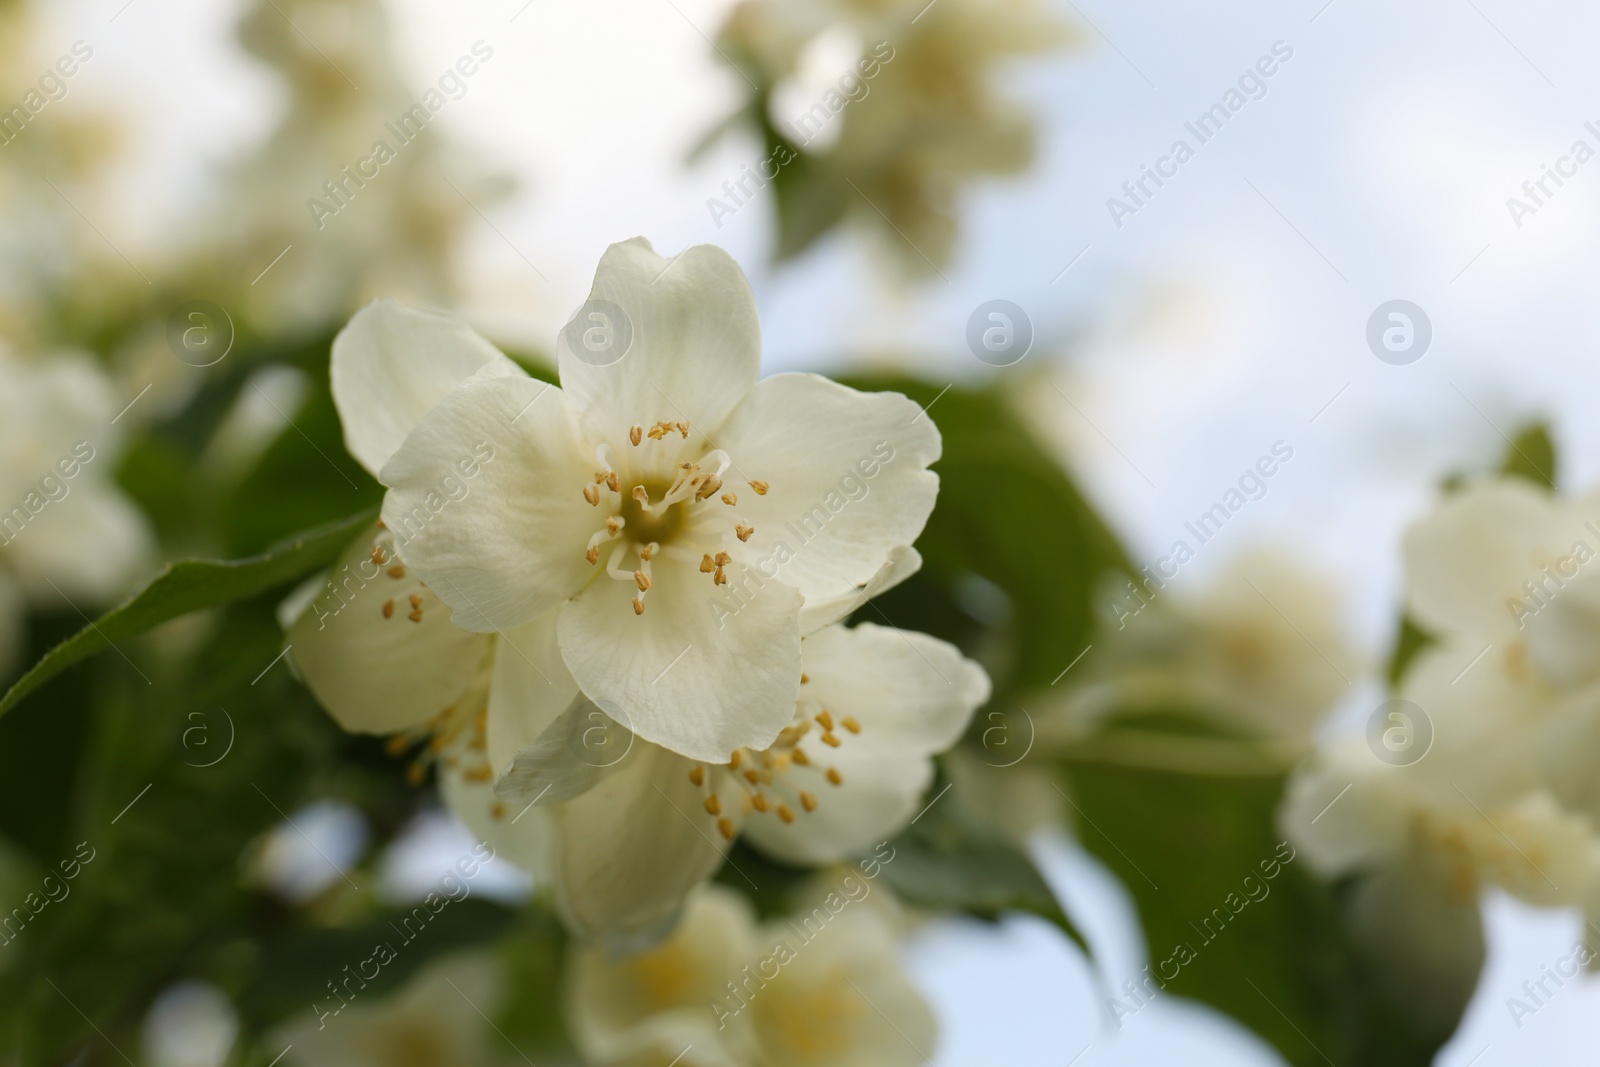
x: 724, y: 992
x: 689, y: 522
x: 437, y: 1019
x: 66, y: 530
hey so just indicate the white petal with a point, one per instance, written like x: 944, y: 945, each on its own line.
x: 567, y: 759
x: 691, y: 674
x: 628, y: 852
x: 90, y: 544
x: 696, y: 341
x: 391, y: 364
x: 485, y: 501
x: 520, y: 837
x: 1345, y: 811
x: 903, y: 562
x: 377, y: 674
x: 848, y: 480
x: 912, y: 694
x: 880, y: 794
x: 530, y: 687
x: 1467, y: 562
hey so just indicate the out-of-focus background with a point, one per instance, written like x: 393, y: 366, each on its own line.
x: 1177, y: 338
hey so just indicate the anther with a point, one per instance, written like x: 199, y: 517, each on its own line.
x: 830, y: 740
x: 707, y: 564
x: 709, y: 487
x: 613, y: 525
x: 649, y: 551
x: 415, y: 616
x: 733, y: 761
x: 801, y: 758
x: 785, y: 813
x: 713, y: 805
x: 804, y: 678
x: 613, y: 482
x: 760, y: 802
x: 592, y: 495
x: 377, y: 555
x: 808, y: 801
x: 851, y: 724
x: 397, y: 571
x: 834, y: 776
x: 388, y: 609
x: 697, y: 774
x: 683, y: 428
x: 753, y: 777
x: 725, y: 827
x: 416, y: 600
x: 760, y: 488
x: 825, y: 719
x: 593, y: 555
x: 722, y: 559
x: 642, y: 580
x: 636, y: 434
x: 730, y: 499
x: 638, y: 606
x: 743, y: 531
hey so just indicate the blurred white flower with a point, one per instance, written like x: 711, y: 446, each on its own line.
x: 191, y: 1024
x: 1259, y: 650
x: 1505, y: 706
x: 725, y: 992
x: 68, y: 536
x: 894, y: 104
x: 437, y: 1019
x: 689, y: 523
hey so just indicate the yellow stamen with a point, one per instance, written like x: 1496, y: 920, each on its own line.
x: 830, y: 740
x: 825, y: 720
x: 636, y: 434
x: 743, y: 531
x: 760, y: 802
x: 592, y: 495
x: 642, y: 580
x: 785, y: 813
x: 851, y: 724
x: 388, y: 609
x: 730, y: 499
x: 697, y: 774
x: 397, y: 571
x: 713, y: 805
x: 707, y: 564
x: 593, y: 555
x: 638, y: 606
x: 808, y: 801
x: 760, y: 488
x: 834, y: 776
x: 725, y: 826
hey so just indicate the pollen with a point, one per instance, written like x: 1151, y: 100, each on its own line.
x: 825, y: 719
x: 831, y: 740
x: 377, y: 555
x: 593, y: 555
x: 638, y: 606
x: 733, y: 761
x: 834, y: 776
x: 753, y: 777
x: 760, y: 488
x: 642, y: 580
x: 707, y: 564
x: 648, y: 552
x: 415, y: 616
x: 800, y: 757
x: 683, y: 428
x: 397, y: 571
x: 636, y: 434
x: 713, y: 805
x: 613, y: 482
x: 497, y: 810
x: 785, y: 813
x: 743, y: 531
x: 591, y: 493
x: 725, y: 827
x: 697, y: 774
x: 760, y: 802
x: 808, y: 801
x: 850, y: 723
x: 388, y: 609
x: 416, y: 601
x: 804, y: 677
x: 613, y: 526
x: 730, y: 499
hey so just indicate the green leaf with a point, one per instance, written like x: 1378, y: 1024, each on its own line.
x: 1277, y: 952
x: 1408, y: 644
x: 191, y: 585
x: 947, y: 860
x: 1532, y: 455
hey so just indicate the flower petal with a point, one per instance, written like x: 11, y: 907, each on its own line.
x: 372, y: 667
x: 1467, y: 562
x: 848, y: 480
x: 702, y: 672
x: 529, y: 688
x: 567, y: 759
x: 903, y: 562
x: 911, y: 694
x: 627, y: 853
x: 879, y: 795
x: 485, y: 501
x: 696, y: 341
x: 391, y: 364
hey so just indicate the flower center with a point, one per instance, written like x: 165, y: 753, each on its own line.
x: 773, y: 780
x: 675, y: 515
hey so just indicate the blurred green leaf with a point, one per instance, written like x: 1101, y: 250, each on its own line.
x: 1276, y: 953
x: 1532, y: 455
x: 1010, y: 522
x: 190, y: 585
x: 1409, y: 642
